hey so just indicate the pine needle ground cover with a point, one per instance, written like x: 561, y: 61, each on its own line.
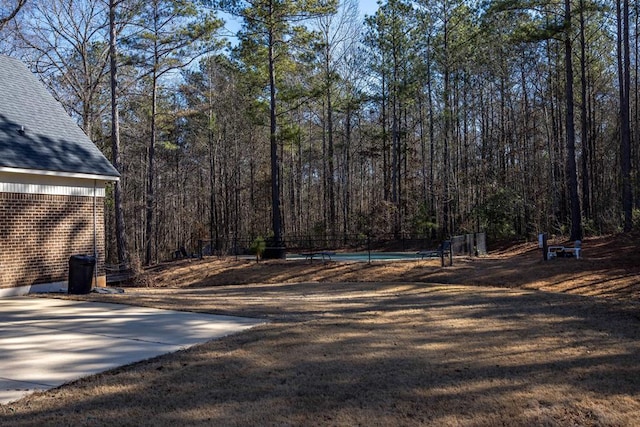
x: 507, y: 339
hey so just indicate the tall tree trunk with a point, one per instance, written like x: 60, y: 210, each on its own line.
x: 121, y: 236
x: 423, y: 149
x: 584, y: 129
x: 625, y: 131
x: 330, y: 148
x: 149, y: 230
x: 212, y: 144
x: 446, y: 130
x: 572, y: 175
x: 275, y: 167
x: 346, y: 204
x: 636, y: 103
x: 395, y: 151
x: 432, y: 143
x: 213, y: 210
x: 385, y: 146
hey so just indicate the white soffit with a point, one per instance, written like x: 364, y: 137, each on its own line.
x: 57, y: 174
x: 11, y: 182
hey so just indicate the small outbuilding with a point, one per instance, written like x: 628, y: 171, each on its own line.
x: 53, y: 182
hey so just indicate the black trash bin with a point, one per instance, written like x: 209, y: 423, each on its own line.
x: 81, y: 269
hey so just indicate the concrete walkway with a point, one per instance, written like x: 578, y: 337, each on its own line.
x: 46, y: 342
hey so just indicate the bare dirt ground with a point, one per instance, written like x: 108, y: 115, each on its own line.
x: 506, y: 339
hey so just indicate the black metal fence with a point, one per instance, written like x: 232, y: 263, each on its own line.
x: 467, y: 244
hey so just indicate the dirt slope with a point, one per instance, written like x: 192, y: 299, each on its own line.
x: 610, y: 267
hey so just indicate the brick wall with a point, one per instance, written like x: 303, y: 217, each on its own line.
x: 38, y: 234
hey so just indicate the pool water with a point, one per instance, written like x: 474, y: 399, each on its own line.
x: 362, y: 256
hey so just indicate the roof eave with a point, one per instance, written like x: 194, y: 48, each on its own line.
x: 76, y: 175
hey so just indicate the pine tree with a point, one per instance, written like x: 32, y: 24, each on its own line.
x: 172, y: 33
x: 269, y: 25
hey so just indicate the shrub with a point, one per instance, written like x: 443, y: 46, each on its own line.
x: 258, y: 247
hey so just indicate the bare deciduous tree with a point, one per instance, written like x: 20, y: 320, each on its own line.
x: 9, y: 10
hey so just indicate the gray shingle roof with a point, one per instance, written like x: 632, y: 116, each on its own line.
x: 51, y: 140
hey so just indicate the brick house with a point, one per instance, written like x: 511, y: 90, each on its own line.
x: 52, y: 187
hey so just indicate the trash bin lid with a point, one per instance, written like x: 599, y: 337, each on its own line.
x: 86, y: 259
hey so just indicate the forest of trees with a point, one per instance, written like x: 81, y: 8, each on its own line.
x: 304, y: 119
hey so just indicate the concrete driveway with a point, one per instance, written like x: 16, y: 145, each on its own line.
x: 46, y: 342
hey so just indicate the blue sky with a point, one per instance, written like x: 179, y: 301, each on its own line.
x: 368, y: 7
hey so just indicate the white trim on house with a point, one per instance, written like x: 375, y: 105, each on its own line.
x: 11, y: 182
x: 59, y: 174
x: 55, y: 287
x: 52, y: 190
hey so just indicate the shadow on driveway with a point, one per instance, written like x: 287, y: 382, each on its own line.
x: 47, y: 342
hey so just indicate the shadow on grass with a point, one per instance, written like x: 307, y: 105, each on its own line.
x: 375, y: 354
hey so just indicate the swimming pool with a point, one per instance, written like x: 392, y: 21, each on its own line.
x: 358, y: 256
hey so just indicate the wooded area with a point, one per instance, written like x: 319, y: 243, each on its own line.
x: 304, y: 120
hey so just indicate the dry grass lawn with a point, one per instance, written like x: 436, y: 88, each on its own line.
x: 506, y: 339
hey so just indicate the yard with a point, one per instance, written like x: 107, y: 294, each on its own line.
x: 506, y: 339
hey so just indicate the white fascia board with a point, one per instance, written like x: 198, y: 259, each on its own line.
x: 60, y: 174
